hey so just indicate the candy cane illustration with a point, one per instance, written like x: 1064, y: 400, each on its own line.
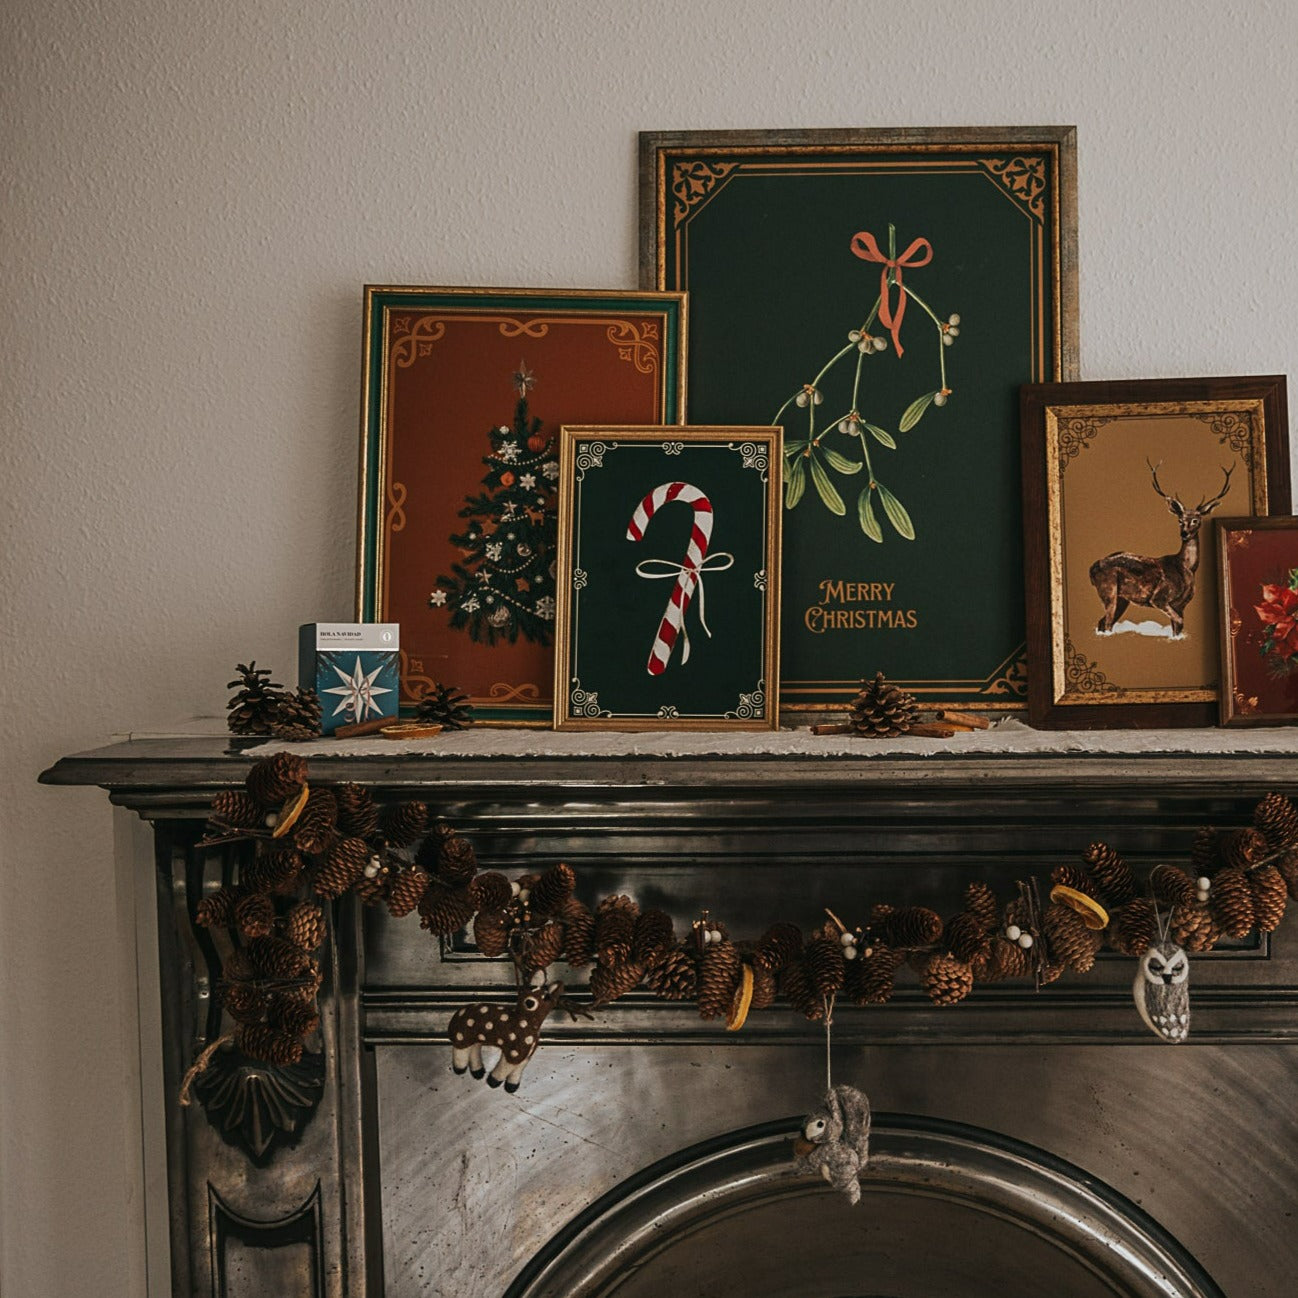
x: 689, y: 574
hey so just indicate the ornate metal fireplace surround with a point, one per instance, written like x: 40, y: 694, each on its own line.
x: 1025, y: 1143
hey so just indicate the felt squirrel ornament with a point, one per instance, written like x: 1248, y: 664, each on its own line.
x: 835, y: 1140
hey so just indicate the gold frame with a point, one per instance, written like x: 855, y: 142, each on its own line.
x: 569, y: 435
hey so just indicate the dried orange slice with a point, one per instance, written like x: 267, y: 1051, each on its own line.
x: 1094, y: 916
x: 410, y: 730
x: 743, y: 1000
x: 289, y: 813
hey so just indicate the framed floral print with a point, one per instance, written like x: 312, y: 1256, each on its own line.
x: 669, y: 557
x: 1122, y: 485
x: 464, y: 394
x: 1258, y: 579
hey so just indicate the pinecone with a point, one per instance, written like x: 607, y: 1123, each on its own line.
x: 443, y: 911
x: 1232, y: 902
x: 491, y: 933
x: 881, y: 710
x: 608, y: 982
x: 871, y: 978
x: 826, y: 967
x: 719, y: 975
x: 445, y: 706
x: 254, y: 915
x: 1076, y: 877
x: 235, y: 809
x: 764, y: 988
x: 1068, y: 940
x: 1172, y: 886
x: 552, y: 889
x: 358, y: 814
x: 1204, y: 856
x: 1277, y: 818
x: 342, y: 867
x: 216, y: 910
x: 405, y: 889
x: 293, y: 1017
x: 1006, y: 960
x: 403, y: 823
x: 372, y: 887
x: 615, y: 929
x: 905, y: 928
x: 779, y: 946
x: 237, y: 967
x: 244, y: 1002
x: 304, y: 926
x: 490, y: 891
x: 275, y: 779
x: 653, y: 937
x: 276, y: 959
x: 1112, y: 875
x: 980, y: 902
x: 250, y: 709
x: 945, y: 979
x: 1194, y: 928
x: 795, y: 987
x: 675, y: 977
x: 579, y: 933
x: 315, y: 830
x: 259, y: 1041
x: 967, y: 938
x: 1133, y: 928
x: 1270, y: 896
x: 542, y: 946
x: 273, y: 870
x: 296, y: 716
x: 1243, y: 848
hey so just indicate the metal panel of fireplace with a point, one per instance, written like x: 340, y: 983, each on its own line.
x: 1025, y: 1143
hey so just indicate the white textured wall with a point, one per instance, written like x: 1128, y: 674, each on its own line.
x: 193, y: 195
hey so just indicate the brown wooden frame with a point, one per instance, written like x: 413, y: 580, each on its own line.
x: 1050, y: 704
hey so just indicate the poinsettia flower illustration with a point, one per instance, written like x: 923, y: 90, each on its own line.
x: 1279, y: 611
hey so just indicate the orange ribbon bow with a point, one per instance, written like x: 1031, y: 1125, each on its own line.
x: 865, y: 247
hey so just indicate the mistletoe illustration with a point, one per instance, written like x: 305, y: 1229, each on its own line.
x: 809, y: 457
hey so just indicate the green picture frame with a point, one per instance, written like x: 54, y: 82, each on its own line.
x: 671, y: 623
x: 882, y: 294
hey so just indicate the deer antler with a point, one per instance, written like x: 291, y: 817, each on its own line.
x: 1153, y: 473
x: 1204, y: 506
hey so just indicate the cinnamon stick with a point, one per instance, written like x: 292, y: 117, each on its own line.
x: 363, y: 728
x: 968, y: 720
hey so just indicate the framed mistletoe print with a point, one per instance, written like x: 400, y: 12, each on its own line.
x: 1123, y: 484
x: 669, y: 558
x: 464, y: 394
x: 882, y: 294
x: 1258, y: 579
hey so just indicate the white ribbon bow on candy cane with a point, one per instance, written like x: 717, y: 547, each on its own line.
x: 693, y: 576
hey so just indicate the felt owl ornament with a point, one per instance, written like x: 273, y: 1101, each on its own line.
x: 835, y: 1140
x: 1162, y: 991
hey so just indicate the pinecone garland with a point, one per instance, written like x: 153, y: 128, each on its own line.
x: 907, y: 927
x: 1204, y: 855
x: 871, y: 978
x: 403, y: 823
x: 294, y: 1018
x: 277, y: 959
x: 1068, y: 940
x: 1244, y: 848
x: 358, y: 814
x: 315, y: 830
x: 235, y: 809
x: 1172, y: 886
x: 542, y: 946
x: 296, y: 716
x: 1194, y: 928
x: 1231, y: 902
x: 343, y: 865
x: 304, y: 926
x: 1270, y: 896
x: 1078, y: 878
x: 552, y: 889
x: 615, y: 929
x: 881, y: 710
x: 248, y: 713
x: 1005, y: 960
x: 1112, y: 875
x: 778, y: 947
x: 1277, y: 818
x: 259, y: 1041
x: 826, y: 967
x: 445, y: 706
x: 273, y: 870
x: 795, y: 986
x: 764, y: 988
x: 1133, y: 928
x: 980, y: 902
x: 254, y: 915
x: 675, y: 977
x: 608, y: 982
x: 966, y: 937
x: 275, y: 779
x: 945, y: 979
x: 490, y: 891
x: 244, y: 1002
x: 719, y: 975
x: 579, y: 933
x: 405, y: 889
x: 216, y: 910
x: 443, y: 911
x: 372, y: 887
x: 654, y: 936
x: 491, y: 932
x: 454, y: 860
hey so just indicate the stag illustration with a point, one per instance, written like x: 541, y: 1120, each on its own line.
x: 1165, y: 583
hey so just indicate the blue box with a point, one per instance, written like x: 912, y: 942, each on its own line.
x: 354, y: 667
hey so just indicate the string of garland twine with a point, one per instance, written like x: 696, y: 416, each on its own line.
x: 314, y: 842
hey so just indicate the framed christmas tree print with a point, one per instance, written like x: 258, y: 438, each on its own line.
x: 881, y: 294
x: 669, y: 560
x: 464, y: 392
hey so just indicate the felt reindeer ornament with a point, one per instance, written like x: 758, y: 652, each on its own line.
x: 513, y: 1030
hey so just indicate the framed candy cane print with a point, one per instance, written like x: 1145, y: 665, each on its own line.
x: 668, y: 585
x: 881, y: 294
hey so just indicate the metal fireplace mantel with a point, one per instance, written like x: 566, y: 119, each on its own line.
x: 371, y: 1170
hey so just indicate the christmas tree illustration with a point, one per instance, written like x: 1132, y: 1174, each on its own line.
x: 504, y: 587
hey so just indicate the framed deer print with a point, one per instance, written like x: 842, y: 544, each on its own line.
x: 882, y: 294
x: 1258, y: 579
x: 464, y: 394
x: 669, y: 563
x: 1122, y: 483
